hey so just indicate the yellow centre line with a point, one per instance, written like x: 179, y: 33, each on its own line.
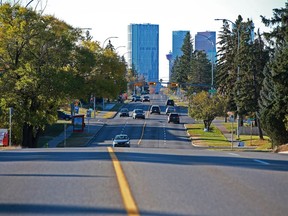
x: 142, y: 133
x: 126, y: 194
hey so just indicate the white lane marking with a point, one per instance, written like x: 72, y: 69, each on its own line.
x: 262, y: 162
x: 234, y: 154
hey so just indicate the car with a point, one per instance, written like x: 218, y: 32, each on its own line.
x: 170, y: 102
x: 146, y: 98
x: 138, y: 113
x: 170, y: 109
x: 64, y: 116
x: 174, y: 117
x: 136, y: 98
x: 124, y: 112
x: 155, y: 109
x: 121, y: 140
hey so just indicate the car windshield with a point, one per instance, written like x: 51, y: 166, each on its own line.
x: 138, y: 111
x: 120, y: 137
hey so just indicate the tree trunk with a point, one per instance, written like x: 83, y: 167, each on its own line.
x: 207, y: 124
x: 259, y: 128
x: 29, y: 141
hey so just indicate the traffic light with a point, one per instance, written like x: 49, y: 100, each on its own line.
x: 152, y: 83
x: 174, y: 84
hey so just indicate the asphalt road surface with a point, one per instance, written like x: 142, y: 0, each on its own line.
x: 160, y: 174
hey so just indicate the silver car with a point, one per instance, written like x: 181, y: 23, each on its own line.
x: 121, y: 140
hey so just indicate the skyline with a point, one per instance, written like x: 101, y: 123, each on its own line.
x: 111, y: 18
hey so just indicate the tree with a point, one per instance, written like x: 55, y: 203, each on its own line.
x: 38, y: 75
x: 206, y: 107
x: 200, y: 72
x: 182, y: 64
x: 273, y: 101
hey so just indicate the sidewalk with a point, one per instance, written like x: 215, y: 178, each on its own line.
x: 228, y: 136
x: 93, y: 126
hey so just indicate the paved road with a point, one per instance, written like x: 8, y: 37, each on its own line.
x: 162, y: 174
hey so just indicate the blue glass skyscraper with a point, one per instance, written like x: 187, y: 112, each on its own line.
x: 206, y: 41
x: 177, y: 43
x: 143, y: 50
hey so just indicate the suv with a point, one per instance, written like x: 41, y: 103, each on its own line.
x: 174, y: 117
x: 124, y: 112
x: 155, y: 109
x: 138, y: 113
x: 136, y: 98
x: 170, y: 102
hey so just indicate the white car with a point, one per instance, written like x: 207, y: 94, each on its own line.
x: 121, y: 140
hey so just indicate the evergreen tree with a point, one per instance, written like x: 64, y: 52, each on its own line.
x: 182, y: 65
x: 200, y: 74
x: 273, y: 101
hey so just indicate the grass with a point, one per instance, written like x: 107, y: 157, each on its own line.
x: 250, y: 140
x: 213, y: 138
x: 76, y: 139
x: 52, y: 131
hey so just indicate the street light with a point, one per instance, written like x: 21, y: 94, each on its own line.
x: 238, y: 68
x: 212, y: 59
x: 106, y: 40
x: 119, y: 47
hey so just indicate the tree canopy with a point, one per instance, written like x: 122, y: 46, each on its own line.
x: 46, y: 63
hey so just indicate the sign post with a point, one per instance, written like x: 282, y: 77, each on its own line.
x: 10, y: 124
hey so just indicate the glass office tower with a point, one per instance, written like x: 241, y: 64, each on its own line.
x: 206, y: 41
x: 143, y: 50
x: 177, y: 43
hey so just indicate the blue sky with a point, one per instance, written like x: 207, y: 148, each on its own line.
x: 111, y: 17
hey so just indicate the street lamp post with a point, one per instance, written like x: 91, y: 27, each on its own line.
x: 238, y: 70
x: 103, y: 48
x: 119, y: 47
x: 107, y: 39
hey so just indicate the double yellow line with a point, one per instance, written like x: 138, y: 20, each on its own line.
x: 127, y: 197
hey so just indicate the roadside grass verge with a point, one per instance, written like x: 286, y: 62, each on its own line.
x: 250, y: 140
x: 213, y: 138
x: 52, y: 131
x: 76, y: 139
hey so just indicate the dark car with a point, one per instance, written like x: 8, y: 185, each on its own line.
x: 121, y: 140
x: 170, y: 102
x: 136, y: 98
x: 124, y: 112
x: 138, y: 113
x: 146, y: 98
x: 174, y: 117
x: 155, y: 109
x: 64, y: 116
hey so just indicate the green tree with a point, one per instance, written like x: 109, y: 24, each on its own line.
x: 200, y: 73
x: 206, y: 107
x: 274, y: 93
x: 182, y: 65
x: 37, y: 60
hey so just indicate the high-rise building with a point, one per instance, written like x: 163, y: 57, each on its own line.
x: 177, y: 43
x: 206, y: 41
x: 143, y: 50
